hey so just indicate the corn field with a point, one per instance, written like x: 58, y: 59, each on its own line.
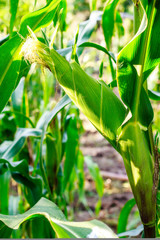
x: 61, y: 59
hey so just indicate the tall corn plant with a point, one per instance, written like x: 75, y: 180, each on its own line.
x: 126, y: 124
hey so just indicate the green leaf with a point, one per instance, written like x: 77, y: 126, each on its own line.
x: 17, y: 98
x: 44, y: 229
x: 71, y: 147
x: 19, y: 141
x: 38, y: 19
x: 95, y: 99
x: 98, y: 47
x: 93, y: 5
x: 148, y: 33
x: 21, y: 116
x: 10, y: 58
x: 60, y: 225
x: 127, y: 76
x: 13, y: 12
x: 43, y: 124
x: 81, y: 177
x: 4, y: 189
x: 101, y: 70
x: 49, y: 115
x: 3, y: 148
x: 52, y: 160
x: 154, y: 95
x: 97, y: 178
x: 119, y: 24
x: 4, y: 39
x: 62, y: 17
x: 86, y: 29
x: 142, y: 53
x: 127, y: 81
x: 24, y: 69
x: 132, y: 51
x: 112, y: 84
x: 5, y: 231
x: 108, y: 20
x: 124, y: 215
x: 95, y: 174
x: 145, y: 110
x: 20, y: 173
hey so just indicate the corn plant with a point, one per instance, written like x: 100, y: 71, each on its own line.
x: 126, y: 123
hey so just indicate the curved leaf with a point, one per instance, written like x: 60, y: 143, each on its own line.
x: 21, y: 115
x: 19, y: 141
x: 61, y: 226
x: 141, y: 52
x: 20, y: 173
x: 154, y: 95
x: 124, y: 214
x: 49, y: 115
x: 108, y: 20
x: 127, y: 82
x: 10, y: 58
x: 61, y: 18
x: 13, y: 12
x: 93, y: 5
x: 38, y: 19
x: 96, y: 175
x: 131, y: 52
x: 4, y: 39
x: 43, y: 124
x: 99, y: 47
x: 119, y: 24
x: 17, y: 100
x: 71, y: 147
x: 86, y: 29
